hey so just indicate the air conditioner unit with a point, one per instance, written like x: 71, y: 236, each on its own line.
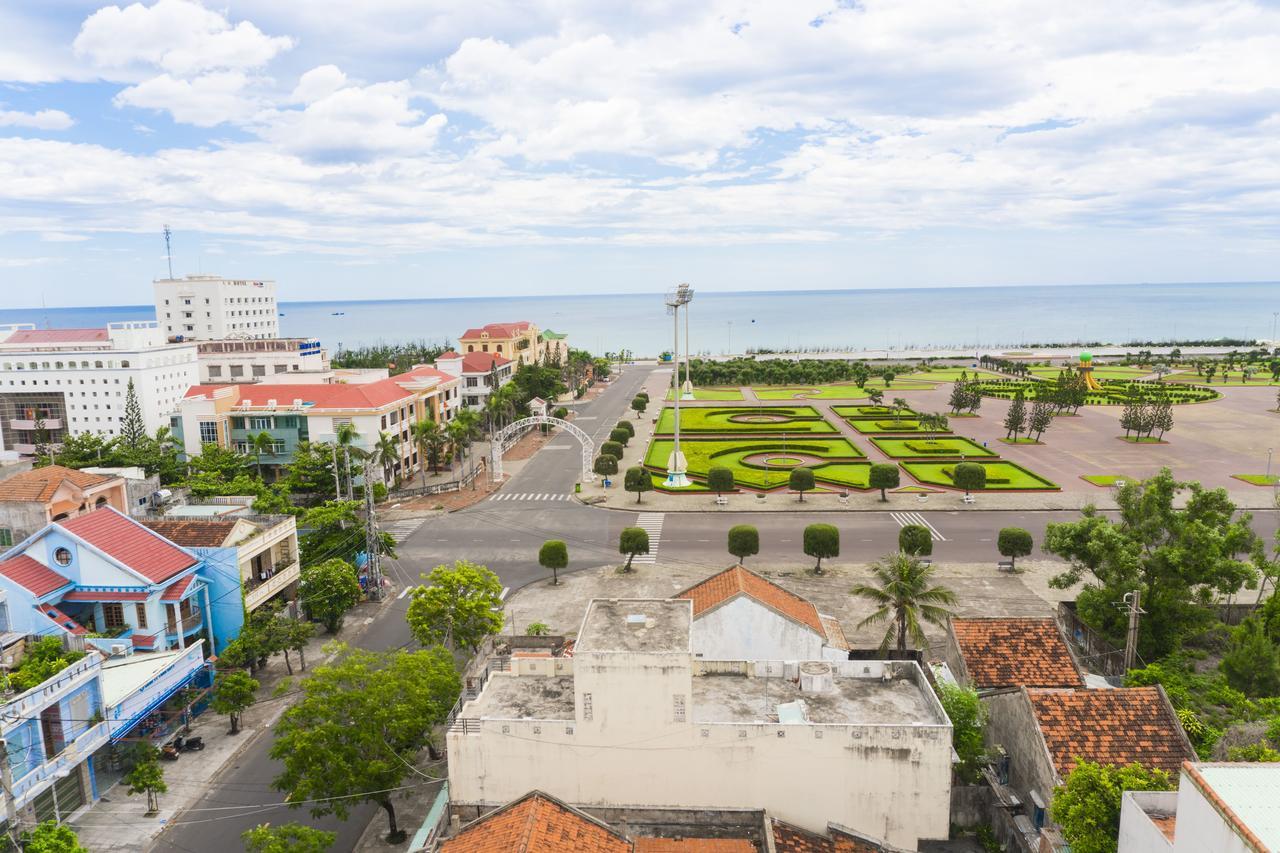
x: 118, y: 649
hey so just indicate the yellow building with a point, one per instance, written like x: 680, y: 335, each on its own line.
x: 522, y: 342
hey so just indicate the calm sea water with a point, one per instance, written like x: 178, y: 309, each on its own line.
x: 848, y: 319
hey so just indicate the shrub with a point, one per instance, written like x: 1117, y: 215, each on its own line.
x: 611, y: 448
x: 1087, y: 807
x: 968, y: 717
x: 638, y: 480
x: 970, y: 476
x: 821, y: 540
x: 1013, y: 542
x: 720, y: 479
x: 632, y: 541
x: 620, y: 435
x: 1252, y: 662
x: 884, y: 475
x: 801, y: 481
x: 561, y: 412
x: 605, y: 465
x: 626, y: 425
x: 916, y: 540
x: 744, y: 541
x: 43, y: 660
x: 639, y: 404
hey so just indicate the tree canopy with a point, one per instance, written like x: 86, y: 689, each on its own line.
x: 905, y: 596
x: 1087, y: 807
x: 287, y: 838
x: 458, y: 606
x: 328, y: 590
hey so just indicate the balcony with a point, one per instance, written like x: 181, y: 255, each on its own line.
x: 194, y: 621
x: 65, y: 762
x: 31, y: 703
x: 28, y: 424
x: 256, y: 592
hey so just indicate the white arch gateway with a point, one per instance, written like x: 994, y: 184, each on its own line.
x: 509, y: 434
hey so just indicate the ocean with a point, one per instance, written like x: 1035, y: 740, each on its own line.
x: 784, y: 320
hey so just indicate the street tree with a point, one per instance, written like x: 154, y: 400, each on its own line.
x: 626, y: 425
x: 884, y: 475
x: 620, y: 435
x: 328, y: 590
x: 720, y: 479
x: 1182, y: 546
x: 821, y: 540
x: 888, y: 376
x: 605, y: 465
x: 638, y: 405
x: 287, y: 838
x: 632, y: 541
x: 554, y: 555
x: 297, y: 633
x: 916, y: 540
x: 51, y: 837
x: 899, y: 405
x: 359, y: 727
x: 876, y: 396
x: 970, y: 476
x: 904, y: 595
x: 744, y: 541
x: 1087, y: 807
x: 335, y: 530
x: 958, y: 401
x: 1041, y: 418
x: 1013, y: 542
x: 147, y: 776
x: 1016, y: 418
x: 310, y: 471
x: 458, y: 606
x: 638, y: 480
x: 233, y: 693
x: 801, y: 481
x: 611, y: 448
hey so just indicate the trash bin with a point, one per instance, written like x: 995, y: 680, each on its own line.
x: 607, y: 482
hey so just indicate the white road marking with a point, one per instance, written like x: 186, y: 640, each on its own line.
x: 651, y: 523
x: 404, y: 592
x: 902, y: 519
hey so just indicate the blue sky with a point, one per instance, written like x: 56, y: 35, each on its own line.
x: 397, y: 148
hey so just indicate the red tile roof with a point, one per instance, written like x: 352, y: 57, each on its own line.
x: 147, y: 553
x: 39, y: 484
x: 693, y: 845
x: 192, y: 532
x: 1110, y: 727
x: 56, y: 336
x: 37, y: 579
x: 497, y: 330
x: 448, y: 354
x: 333, y: 395
x: 90, y: 595
x: 1011, y: 652
x: 792, y: 839
x: 175, y: 592
x: 482, y: 362
x: 736, y: 581
x: 536, y: 823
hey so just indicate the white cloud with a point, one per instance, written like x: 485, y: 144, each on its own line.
x: 318, y: 83
x: 39, y: 120
x: 180, y: 37
x: 204, y: 101
x: 352, y: 120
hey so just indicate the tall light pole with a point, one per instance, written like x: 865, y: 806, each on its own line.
x: 676, y: 466
x: 687, y: 390
x: 729, y: 351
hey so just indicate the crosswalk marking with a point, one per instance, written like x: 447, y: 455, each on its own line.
x: 651, y: 523
x: 905, y: 518
x: 529, y: 496
x: 403, y: 528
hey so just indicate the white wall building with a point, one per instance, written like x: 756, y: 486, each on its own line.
x: 480, y: 374
x: 74, y: 380
x: 209, y: 307
x: 239, y: 360
x: 1223, y: 807
x: 633, y: 718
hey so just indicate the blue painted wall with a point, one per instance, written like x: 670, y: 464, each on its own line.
x: 219, y: 569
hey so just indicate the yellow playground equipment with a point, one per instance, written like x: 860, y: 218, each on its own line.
x: 1086, y: 371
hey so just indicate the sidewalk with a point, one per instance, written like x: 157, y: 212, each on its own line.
x: 118, y: 823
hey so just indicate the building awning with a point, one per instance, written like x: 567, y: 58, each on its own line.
x: 134, y: 686
x: 103, y: 595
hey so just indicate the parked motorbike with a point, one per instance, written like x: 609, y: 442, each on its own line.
x: 169, y: 752
x: 189, y: 744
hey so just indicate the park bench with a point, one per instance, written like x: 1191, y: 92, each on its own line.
x: 1005, y: 566
x: 721, y: 500
x: 968, y: 499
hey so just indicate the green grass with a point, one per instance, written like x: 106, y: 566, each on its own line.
x: 1114, y: 391
x: 946, y: 374
x: 1022, y: 439
x: 714, y: 394
x: 1146, y: 439
x: 844, y: 465
x: 1100, y: 372
x: 717, y: 419
x: 875, y: 413
x: 1106, y: 479
x: 1262, y: 378
x: 1258, y: 479
x: 1001, y: 476
x: 836, y: 391
x: 922, y: 448
x: 660, y: 482
x: 888, y: 426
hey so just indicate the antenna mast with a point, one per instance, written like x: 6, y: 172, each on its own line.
x: 168, y: 251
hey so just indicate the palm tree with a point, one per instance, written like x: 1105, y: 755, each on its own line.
x: 345, y: 437
x: 260, y: 444
x: 904, y: 595
x: 899, y: 406
x: 386, y: 452
x: 430, y: 439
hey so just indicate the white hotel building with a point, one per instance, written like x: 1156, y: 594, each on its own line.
x: 209, y: 307
x: 73, y: 381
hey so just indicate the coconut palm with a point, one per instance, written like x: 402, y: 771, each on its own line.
x: 386, y: 453
x: 259, y: 444
x: 904, y: 595
x: 430, y: 439
x: 345, y: 439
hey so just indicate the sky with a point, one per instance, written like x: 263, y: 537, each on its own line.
x: 401, y: 148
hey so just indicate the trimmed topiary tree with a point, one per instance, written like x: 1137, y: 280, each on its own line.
x: 620, y: 435
x: 884, y: 475
x: 720, y: 479
x: 821, y: 540
x: 631, y: 430
x: 801, y: 481
x: 605, y: 465
x: 916, y: 540
x: 612, y: 448
x: 554, y: 555
x: 1013, y: 542
x: 632, y: 541
x: 744, y: 541
x: 638, y: 480
x: 970, y: 476
x: 638, y: 405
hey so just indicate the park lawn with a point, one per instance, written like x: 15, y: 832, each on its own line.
x: 694, y: 487
x: 847, y: 466
x: 1105, y: 479
x: 1113, y: 393
x: 1022, y: 439
x: 1145, y: 439
x: 946, y: 374
x: 877, y: 413
x: 1258, y: 479
x: 714, y: 394
x: 891, y: 427
x: 940, y: 448
x: 1100, y: 371
x: 837, y: 391
x: 725, y: 419
x: 1001, y: 476
x: 1260, y: 379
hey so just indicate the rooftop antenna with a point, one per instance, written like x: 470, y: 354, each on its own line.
x: 168, y: 250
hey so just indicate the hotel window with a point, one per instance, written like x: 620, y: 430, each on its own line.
x: 259, y: 423
x: 208, y: 432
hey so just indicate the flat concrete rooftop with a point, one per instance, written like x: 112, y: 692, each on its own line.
x: 635, y: 625
x: 525, y: 697
x: 867, y: 701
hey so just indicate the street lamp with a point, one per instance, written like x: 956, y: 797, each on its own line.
x: 687, y: 390
x: 676, y: 465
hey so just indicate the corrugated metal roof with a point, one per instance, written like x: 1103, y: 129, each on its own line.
x: 1251, y: 792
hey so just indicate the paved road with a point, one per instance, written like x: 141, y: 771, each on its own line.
x: 505, y: 531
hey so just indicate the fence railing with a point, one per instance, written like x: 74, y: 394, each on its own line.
x: 1096, y: 653
x: 440, y: 488
x: 472, y: 685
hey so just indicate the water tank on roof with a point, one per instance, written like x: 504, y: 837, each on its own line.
x: 817, y: 677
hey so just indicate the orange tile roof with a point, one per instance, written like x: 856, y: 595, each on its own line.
x: 1002, y: 652
x: 503, y: 330
x: 792, y: 839
x: 694, y: 845
x: 332, y: 395
x: 482, y: 362
x: 39, y: 484
x: 192, y: 532
x: 736, y: 581
x: 1116, y: 727
x: 536, y: 823
x: 142, y: 550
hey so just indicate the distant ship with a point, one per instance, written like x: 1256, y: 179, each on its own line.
x: 339, y: 314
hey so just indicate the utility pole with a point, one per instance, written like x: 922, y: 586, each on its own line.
x: 168, y: 250
x: 1131, y: 601
x: 10, y: 808
x: 372, y: 546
